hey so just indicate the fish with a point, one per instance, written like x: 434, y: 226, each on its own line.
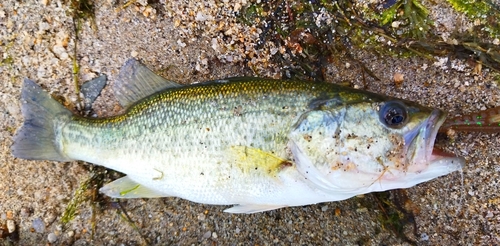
x: 257, y: 144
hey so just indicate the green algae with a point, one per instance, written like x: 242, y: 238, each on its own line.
x: 485, y: 13
x: 313, y: 35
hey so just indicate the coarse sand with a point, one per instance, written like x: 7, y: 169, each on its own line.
x: 182, y: 41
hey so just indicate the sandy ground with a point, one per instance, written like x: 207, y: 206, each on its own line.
x: 36, y: 41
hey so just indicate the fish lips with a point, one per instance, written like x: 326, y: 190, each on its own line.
x: 421, y: 156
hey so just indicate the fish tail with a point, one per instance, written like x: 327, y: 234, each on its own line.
x: 38, y: 138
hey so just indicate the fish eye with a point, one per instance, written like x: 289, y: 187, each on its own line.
x: 393, y: 114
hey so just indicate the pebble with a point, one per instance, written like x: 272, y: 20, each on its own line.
x: 38, y: 225
x: 399, y: 78
x: 201, y: 216
x: 11, y: 226
x: 489, y: 215
x: 207, y: 235
x: 49, y: 218
x: 214, y: 235
x: 52, y: 237
x: 25, y: 212
x: 120, y: 55
x: 10, y: 215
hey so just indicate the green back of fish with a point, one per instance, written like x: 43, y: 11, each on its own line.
x: 204, y: 118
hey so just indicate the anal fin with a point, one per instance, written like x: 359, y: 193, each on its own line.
x: 127, y: 188
x: 252, y: 208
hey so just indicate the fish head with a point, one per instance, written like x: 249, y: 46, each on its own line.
x: 416, y: 127
x: 370, y: 145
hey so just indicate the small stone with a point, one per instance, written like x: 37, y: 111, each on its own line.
x: 134, y: 53
x: 25, y: 212
x: 215, y: 44
x: 399, y: 79
x: 38, y: 225
x: 49, y: 218
x: 237, y: 7
x: 396, y: 24
x: 10, y: 215
x: 201, y: 17
x: 11, y: 226
x: 207, y: 235
x: 181, y: 44
x: 488, y: 215
x: 52, y: 237
x: 64, y: 56
x: 324, y: 208
x: 201, y: 216
x: 20, y: 192
x: 214, y: 235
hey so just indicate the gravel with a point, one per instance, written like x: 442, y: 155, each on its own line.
x: 192, y: 42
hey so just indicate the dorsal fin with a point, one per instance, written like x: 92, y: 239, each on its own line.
x: 136, y: 82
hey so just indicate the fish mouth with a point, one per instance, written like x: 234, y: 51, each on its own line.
x: 421, y: 154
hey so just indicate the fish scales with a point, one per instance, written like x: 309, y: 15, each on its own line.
x: 260, y: 144
x: 187, y: 131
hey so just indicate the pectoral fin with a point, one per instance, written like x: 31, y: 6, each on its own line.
x: 252, y: 208
x: 254, y: 159
x: 127, y: 188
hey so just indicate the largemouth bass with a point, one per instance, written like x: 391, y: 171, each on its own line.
x: 259, y: 144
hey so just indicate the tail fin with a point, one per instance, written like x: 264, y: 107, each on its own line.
x: 37, y: 140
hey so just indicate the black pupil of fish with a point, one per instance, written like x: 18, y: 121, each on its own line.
x: 395, y: 116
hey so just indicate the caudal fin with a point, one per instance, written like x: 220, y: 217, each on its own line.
x: 37, y: 139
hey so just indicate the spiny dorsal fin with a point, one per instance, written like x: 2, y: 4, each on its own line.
x: 136, y: 82
x: 127, y: 188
